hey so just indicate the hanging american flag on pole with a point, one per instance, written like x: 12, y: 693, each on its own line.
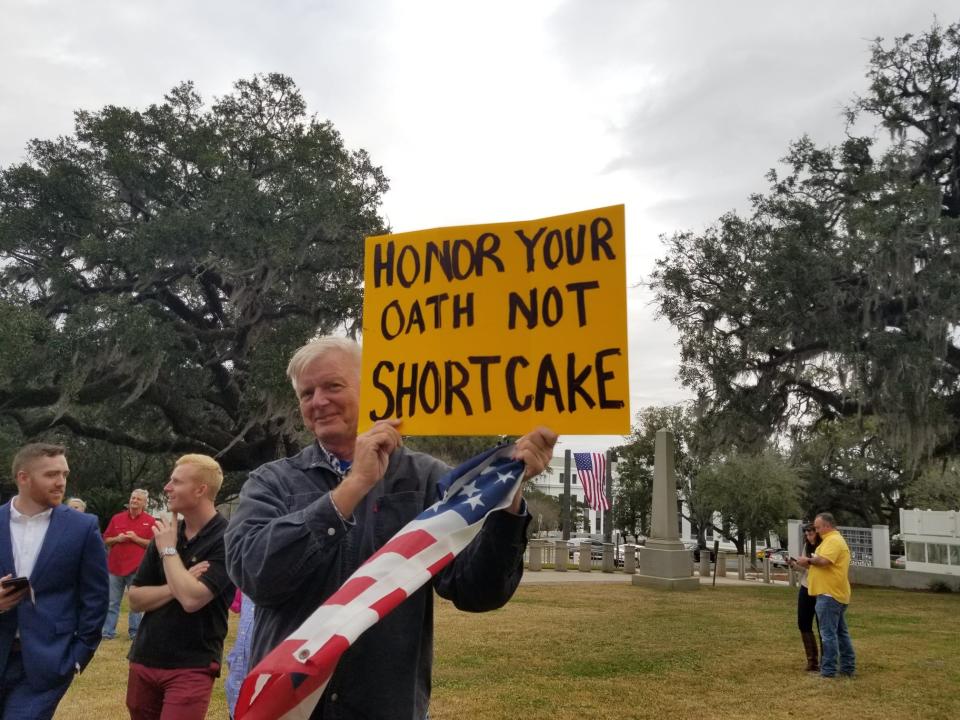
x: 592, y: 471
x: 288, y: 682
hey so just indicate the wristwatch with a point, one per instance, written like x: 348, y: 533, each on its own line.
x: 168, y: 551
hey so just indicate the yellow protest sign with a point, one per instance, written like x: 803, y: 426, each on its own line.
x: 494, y: 329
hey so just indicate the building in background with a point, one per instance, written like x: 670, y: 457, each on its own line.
x: 931, y: 540
x: 550, y: 482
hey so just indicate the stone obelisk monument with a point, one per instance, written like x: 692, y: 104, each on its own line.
x: 663, y: 562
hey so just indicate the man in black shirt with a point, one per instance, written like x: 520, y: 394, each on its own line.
x: 183, y: 590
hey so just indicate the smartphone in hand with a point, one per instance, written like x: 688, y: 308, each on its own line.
x: 14, y: 584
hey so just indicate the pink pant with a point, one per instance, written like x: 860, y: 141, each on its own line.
x: 179, y: 694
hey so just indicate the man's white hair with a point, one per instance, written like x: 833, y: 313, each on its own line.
x: 317, y: 349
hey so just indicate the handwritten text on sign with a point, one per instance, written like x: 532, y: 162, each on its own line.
x: 492, y: 329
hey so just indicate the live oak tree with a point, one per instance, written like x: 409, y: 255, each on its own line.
x: 159, y: 266
x: 839, y: 296
x: 850, y: 471
x: 544, y: 511
x: 754, y: 494
x: 103, y: 476
x: 631, y: 503
x: 937, y: 487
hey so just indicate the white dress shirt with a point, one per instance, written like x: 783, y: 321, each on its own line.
x: 26, y: 534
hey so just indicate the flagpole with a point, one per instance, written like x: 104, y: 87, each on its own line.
x: 566, y: 505
x: 608, y: 485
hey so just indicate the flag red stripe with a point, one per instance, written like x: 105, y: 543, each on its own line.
x: 388, y: 602
x: 407, y: 545
x: 283, y: 658
x: 440, y: 564
x: 278, y: 696
x: 350, y: 590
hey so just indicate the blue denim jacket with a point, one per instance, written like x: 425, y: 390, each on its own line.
x: 289, y: 551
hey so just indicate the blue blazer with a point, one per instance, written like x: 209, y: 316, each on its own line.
x: 61, y: 629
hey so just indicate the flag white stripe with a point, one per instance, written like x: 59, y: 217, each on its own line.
x: 409, y: 575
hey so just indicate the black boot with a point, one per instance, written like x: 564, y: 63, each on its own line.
x: 810, y: 646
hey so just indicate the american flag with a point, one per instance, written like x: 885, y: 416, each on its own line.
x: 592, y: 471
x: 288, y: 682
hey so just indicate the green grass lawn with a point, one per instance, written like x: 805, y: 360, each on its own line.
x: 596, y: 651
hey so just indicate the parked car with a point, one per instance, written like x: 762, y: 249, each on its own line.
x: 596, y: 549
x: 619, y: 550
x: 780, y: 558
x: 900, y: 561
x: 767, y: 552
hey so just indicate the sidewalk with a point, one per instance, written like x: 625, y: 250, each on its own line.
x: 546, y: 577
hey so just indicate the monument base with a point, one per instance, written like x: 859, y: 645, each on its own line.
x: 661, y: 583
x: 665, y: 564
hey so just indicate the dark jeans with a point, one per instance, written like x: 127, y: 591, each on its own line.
x: 19, y: 701
x: 834, y: 637
x: 179, y: 694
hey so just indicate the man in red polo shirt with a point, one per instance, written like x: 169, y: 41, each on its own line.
x: 127, y: 537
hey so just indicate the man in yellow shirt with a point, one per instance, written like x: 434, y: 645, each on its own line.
x: 828, y: 581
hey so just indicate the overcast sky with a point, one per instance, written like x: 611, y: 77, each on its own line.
x: 494, y: 111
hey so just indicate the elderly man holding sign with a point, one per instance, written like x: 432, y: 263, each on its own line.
x: 304, y: 524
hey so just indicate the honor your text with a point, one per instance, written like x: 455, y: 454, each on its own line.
x: 451, y: 260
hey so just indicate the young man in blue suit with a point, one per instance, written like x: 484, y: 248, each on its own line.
x: 50, y: 629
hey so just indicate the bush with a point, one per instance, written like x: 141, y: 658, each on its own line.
x: 940, y: 586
